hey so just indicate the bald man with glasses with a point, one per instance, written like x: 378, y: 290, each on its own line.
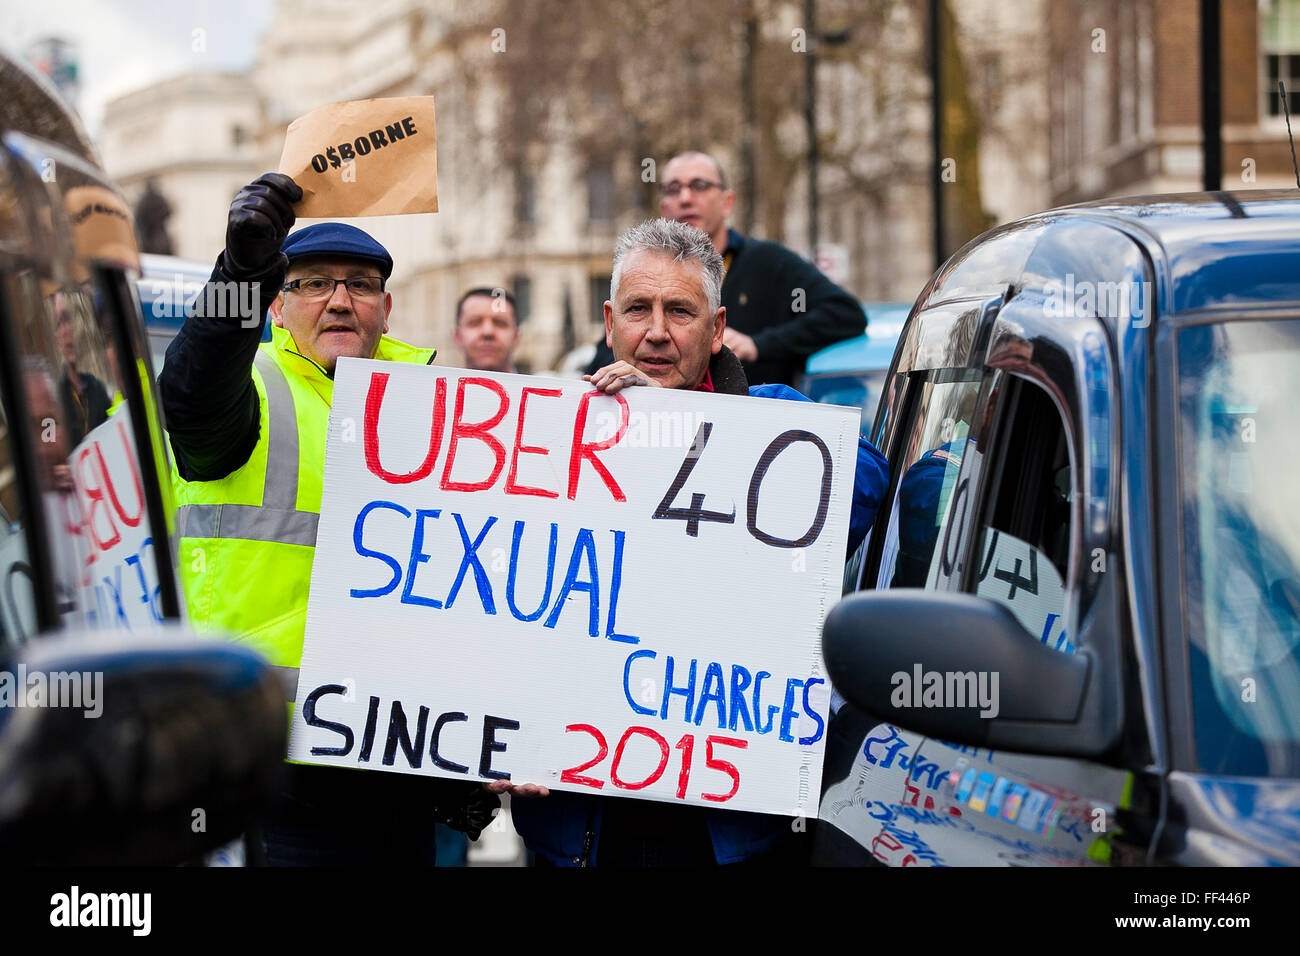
x: 780, y: 308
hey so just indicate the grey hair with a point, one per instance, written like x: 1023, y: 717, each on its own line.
x: 680, y: 240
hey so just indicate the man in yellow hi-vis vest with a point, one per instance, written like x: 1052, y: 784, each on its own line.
x: 247, y: 423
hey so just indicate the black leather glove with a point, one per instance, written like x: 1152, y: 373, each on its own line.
x: 466, y: 807
x: 260, y: 218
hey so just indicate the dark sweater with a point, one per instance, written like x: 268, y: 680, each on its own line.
x: 786, y: 305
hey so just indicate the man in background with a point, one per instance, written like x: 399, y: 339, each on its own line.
x: 487, y: 330
x: 84, y: 398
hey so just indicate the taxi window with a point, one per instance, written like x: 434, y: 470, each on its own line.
x: 17, y: 598
x: 1241, y: 539
x: 1023, y: 547
x: 90, y: 488
x: 936, y: 468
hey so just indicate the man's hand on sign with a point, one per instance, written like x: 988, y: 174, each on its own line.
x: 517, y: 790
x: 260, y: 218
x: 618, y: 376
x: 740, y: 344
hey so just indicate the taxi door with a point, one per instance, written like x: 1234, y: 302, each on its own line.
x: 985, y: 499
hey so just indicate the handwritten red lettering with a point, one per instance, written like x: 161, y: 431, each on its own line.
x: 92, y: 490
x: 581, y: 449
x: 480, y: 431
x: 686, y: 745
x: 370, y: 430
x: 131, y: 521
x: 521, y: 448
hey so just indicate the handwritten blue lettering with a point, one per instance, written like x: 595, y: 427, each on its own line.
x: 583, y: 545
x: 514, y: 569
x: 368, y: 553
x: 469, y: 561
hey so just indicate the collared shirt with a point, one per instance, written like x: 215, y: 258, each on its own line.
x: 707, y: 384
x: 734, y: 241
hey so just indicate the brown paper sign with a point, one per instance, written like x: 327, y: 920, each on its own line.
x: 374, y: 157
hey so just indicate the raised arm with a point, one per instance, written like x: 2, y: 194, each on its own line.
x: 207, y: 390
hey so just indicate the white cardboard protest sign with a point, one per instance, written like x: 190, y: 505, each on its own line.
x: 619, y: 595
x: 117, y: 581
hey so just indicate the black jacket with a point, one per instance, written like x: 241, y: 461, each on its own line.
x: 85, y: 405
x: 208, y: 396
x: 784, y: 303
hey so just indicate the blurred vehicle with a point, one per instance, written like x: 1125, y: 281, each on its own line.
x: 123, y: 738
x: 853, y: 372
x: 166, y: 287
x: 574, y: 363
x: 1076, y: 637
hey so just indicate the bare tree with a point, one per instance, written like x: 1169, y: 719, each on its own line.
x: 637, y: 80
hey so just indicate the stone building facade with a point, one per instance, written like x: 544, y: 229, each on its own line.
x: 1070, y: 100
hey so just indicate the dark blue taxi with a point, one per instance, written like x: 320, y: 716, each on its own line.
x: 1073, y: 634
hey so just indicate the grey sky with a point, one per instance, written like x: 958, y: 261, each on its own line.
x: 125, y: 44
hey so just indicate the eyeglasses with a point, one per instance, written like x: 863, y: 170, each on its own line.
x: 695, y: 185
x: 320, y: 287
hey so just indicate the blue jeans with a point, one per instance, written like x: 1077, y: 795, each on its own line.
x: 453, y: 847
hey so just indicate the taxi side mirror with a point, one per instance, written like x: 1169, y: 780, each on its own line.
x: 134, y: 750
x: 961, y: 668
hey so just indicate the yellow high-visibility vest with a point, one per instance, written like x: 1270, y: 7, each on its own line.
x: 247, y: 540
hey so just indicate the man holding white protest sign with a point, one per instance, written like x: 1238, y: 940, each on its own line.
x: 247, y: 425
x: 665, y: 326
x: 551, y: 586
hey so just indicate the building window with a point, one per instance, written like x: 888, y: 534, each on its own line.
x: 1126, y: 90
x: 1279, y: 50
x: 990, y: 65
x: 525, y: 199
x: 521, y: 287
x: 599, y: 291
x: 600, y: 191
x: 238, y: 136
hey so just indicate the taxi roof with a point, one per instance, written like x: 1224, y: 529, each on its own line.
x: 1203, y: 250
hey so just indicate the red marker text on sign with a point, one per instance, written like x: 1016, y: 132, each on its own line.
x: 95, y: 481
x: 686, y: 745
x: 522, y: 449
x: 654, y: 774
x: 580, y: 449
x: 370, y: 431
x: 574, y: 774
x: 478, y: 431
x: 583, y: 449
